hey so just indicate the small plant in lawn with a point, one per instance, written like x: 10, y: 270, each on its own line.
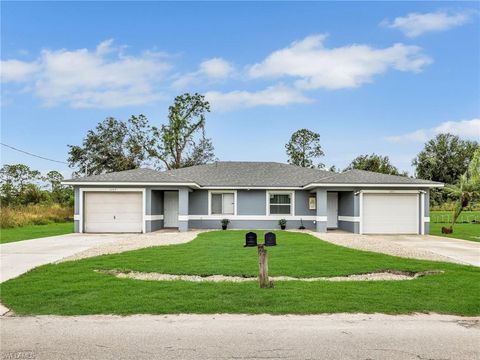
x: 282, y: 223
x: 225, y: 223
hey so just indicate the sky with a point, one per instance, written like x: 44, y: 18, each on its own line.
x: 369, y: 77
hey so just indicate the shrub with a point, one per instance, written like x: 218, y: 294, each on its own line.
x: 34, y: 215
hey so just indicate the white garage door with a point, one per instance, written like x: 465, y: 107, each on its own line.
x: 390, y: 214
x: 113, y: 212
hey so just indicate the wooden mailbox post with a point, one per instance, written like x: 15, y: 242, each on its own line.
x: 263, y: 268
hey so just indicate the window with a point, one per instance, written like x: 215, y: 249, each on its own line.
x: 222, y: 203
x: 280, y: 203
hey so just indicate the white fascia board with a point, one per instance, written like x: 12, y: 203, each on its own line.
x: 387, y: 191
x: 314, y: 185
x: 100, y: 183
x: 252, y: 187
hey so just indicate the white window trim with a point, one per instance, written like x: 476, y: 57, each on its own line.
x: 292, y: 202
x: 234, y: 192
x: 81, y: 192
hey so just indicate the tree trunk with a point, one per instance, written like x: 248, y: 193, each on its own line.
x: 263, y: 268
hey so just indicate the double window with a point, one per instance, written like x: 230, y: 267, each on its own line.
x: 280, y: 203
x: 222, y: 203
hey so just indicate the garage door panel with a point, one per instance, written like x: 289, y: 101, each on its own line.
x: 113, y: 212
x: 390, y: 214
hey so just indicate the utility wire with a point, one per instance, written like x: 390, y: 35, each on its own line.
x: 37, y: 156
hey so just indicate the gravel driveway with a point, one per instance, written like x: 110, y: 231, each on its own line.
x: 137, y: 241
x: 423, y: 247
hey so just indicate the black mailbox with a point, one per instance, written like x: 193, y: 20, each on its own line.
x: 250, y: 239
x: 270, y: 239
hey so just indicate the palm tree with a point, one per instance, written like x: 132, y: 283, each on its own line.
x: 467, y: 189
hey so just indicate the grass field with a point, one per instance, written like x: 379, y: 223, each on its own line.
x: 73, y: 288
x: 446, y: 216
x: 464, y: 229
x: 34, y: 231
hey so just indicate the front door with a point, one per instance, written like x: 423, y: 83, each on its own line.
x: 332, y: 210
x: 170, y: 209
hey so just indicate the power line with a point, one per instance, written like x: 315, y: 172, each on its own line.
x: 37, y: 156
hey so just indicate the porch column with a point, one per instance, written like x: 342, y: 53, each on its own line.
x: 426, y: 212
x: 321, y: 210
x: 183, y: 209
x: 76, y: 211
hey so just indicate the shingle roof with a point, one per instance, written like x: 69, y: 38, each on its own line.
x: 255, y: 174
x: 249, y: 174
x: 135, y: 175
x: 368, y: 177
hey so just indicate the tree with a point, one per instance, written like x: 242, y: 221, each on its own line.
x: 14, y: 179
x: 444, y: 158
x: 54, y: 178
x: 467, y: 188
x: 182, y: 142
x: 303, y: 148
x: 114, y: 145
x: 375, y: 163
x: 32, y: 194
x: 59, y: 193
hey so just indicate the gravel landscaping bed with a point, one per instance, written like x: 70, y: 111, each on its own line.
x: 134, y: 242
x: 376, y: 276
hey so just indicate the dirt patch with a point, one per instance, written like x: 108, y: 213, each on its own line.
x: 387, y: 275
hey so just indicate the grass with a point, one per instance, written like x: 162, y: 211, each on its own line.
x: 463, y: 229
x: 40, y: 214
x: 460, y: 231
x: 74, y: 288
x: 34, y: 231
x: 446, y: 216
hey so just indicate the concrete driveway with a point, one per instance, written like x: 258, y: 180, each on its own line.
x: 463, y: 251
x: 423, y: 247
x: 19, y: 257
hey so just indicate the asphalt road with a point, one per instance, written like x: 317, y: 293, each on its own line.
x: 340, y: 336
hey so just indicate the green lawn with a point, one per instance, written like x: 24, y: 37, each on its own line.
x: 446, y: 216
x: 464, y: 229
x: 34, y: 231
x: 73, y: 288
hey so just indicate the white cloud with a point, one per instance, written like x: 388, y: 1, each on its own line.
x: 16, y: 70
x: 276, y: 95
x: 216, y: 68
x: 343, y: 67
x: 416, y: 24
x: 211, y: 69
x: 469, y: 129
x: 104, y: 77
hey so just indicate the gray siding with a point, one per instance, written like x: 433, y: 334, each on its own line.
x: 301, y: 204
x: 321, y: 226
x: 157, y: 202
x: 76, y: 192
x: 198, y: 202
x: 427, y: 203
x: 249, y: 224
x: 346, y: 203
x: 350, y: 226
x: 251, y: 202
x: 153, y: 225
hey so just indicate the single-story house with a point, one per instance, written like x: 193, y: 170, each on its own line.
x: 252, y: 195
